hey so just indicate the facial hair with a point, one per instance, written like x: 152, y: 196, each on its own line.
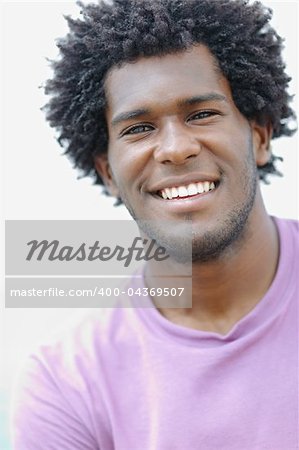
x: 186, y: 244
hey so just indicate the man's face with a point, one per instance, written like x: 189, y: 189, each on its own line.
x: 180, y: 152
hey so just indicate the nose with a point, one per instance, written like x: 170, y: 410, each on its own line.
x: 177, y: 143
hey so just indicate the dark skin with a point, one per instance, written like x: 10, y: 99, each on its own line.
x: 172, y: 121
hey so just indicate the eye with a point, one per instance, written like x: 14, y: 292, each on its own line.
x: 137, y: 129
x: 200, y: 115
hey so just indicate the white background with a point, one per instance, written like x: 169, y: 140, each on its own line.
x: 39, y: 183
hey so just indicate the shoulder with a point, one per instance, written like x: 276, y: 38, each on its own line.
x: 287, y: 272
x: 62, y: 383
x: 287, y: 224
x: 288, y: 231
x: 87, y: 341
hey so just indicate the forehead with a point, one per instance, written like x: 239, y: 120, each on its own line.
x: 164, y: 78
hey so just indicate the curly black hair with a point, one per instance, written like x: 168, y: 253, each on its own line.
x: 238, y: 34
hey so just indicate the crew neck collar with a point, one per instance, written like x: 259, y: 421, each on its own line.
x: 268, y: 309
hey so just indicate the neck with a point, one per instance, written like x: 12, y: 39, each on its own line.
x: 225, y: 290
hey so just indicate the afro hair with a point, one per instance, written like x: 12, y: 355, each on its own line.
x: 238, y: 34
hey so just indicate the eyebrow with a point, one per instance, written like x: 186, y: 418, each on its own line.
x: 122, y: 117
x: 203, y: 98
x: 135, y: 114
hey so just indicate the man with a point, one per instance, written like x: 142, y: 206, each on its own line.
x: 172, y: 105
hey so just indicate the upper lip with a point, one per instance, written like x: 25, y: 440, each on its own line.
x: 182, y: 181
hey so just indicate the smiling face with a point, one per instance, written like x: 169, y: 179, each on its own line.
x: 181, y: 152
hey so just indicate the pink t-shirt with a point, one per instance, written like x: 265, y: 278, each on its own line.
x: 129, y: 379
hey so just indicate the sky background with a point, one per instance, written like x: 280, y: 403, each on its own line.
x: 39, y: 183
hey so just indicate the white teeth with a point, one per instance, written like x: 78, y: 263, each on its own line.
x: 185, y: 191
x: 192, y: 189
x: 168, y: 193
x: 206, y: 186
x: 174, y: 192
x: 200, y: 188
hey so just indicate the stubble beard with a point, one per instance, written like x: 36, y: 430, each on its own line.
x: 186, y: 245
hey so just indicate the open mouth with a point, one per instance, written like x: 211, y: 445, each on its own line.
x: 187, y: 191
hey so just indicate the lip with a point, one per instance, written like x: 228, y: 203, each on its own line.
x: 182, y: 181
x: 188, y: 204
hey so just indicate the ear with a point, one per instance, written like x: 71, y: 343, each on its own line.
x: 103, y: 168
x: 261, y: 137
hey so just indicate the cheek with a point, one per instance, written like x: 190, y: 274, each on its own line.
x: 236, y: 151
x: 130, y: 163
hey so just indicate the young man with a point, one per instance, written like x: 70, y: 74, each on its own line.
x: 172, y: 105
